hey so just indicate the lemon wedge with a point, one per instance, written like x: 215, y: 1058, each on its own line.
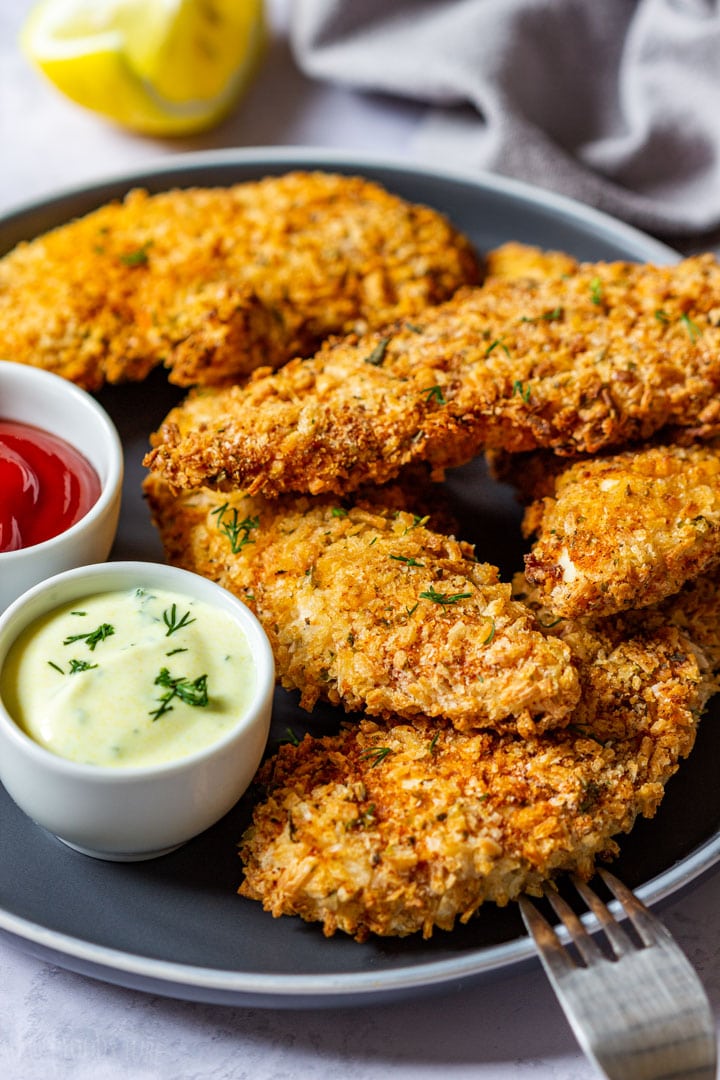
x: 161, y: 67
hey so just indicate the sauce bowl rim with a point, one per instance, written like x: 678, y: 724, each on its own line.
x: 29, y: 606
x: 110, y: 485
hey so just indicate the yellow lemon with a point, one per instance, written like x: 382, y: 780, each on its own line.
x: 162, y: 67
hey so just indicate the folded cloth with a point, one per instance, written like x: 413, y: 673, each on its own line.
x: 614, y: 102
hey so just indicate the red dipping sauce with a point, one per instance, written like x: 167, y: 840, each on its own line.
x: 46, y: 485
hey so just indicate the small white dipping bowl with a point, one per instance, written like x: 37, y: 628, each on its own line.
x: 136, y: 812
x: 30, y: 395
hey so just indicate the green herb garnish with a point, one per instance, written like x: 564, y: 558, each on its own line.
x: 105, y: 630
x: 377, y: 753
x: 406, y: 560
x: 138, y: 257
x: 444, y: 598
x: 693, y: 330
x: 434, y: 393
x: 377, y: 356
x: 523, y: 391
x: 173, y: 623
x: 191, y: 692
x: 237, y: 532
x: 596, y: 291
x: 80, y: 665
x: 497, y: 344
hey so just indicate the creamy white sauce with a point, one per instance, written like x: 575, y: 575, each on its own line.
x: 97, y: 699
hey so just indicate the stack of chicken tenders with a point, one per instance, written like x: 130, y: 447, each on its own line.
x: 345, y: 348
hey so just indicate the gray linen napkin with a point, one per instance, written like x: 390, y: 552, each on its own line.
x: 614, y: 102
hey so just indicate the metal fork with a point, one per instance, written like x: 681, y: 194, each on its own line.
x: 638, y: 1011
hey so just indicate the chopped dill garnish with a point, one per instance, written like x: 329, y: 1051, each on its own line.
x: 553, y: 622
x: 444, y: 598
x: 237, y: 532
x: 693, y: 330
x: 417, y: 522
x: 434, y: 393
x: 377, y: 356
x: 491, y: 635
x: 522, y: 390
x: 93, y: 638
x: 547, y: 316
x: 56, y: 666
x: 413, y: 328
x: 339, y: 511
x: 191, y: 692
x: 78, y: 612
x: 413, y: 609
x: 138, y: 257
x: 662, y: 316
x: 433, y: 742
x: 596, y: 291
x: 377, y: 753
x: 291, y: 737
x: 173, y: 651
x: 173, y: 623
x: 406, y: 560
x: 80, y: 665
x: 497, y: 344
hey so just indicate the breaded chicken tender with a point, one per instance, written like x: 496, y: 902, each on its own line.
x: 213, y: 283
x: 626, y: 531
x: 610, y: 354
x: 397, y: 829
x: 515, y: 260
x: 368, y: 608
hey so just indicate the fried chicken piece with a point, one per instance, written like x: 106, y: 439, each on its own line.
x: 625, y: 531
x: 515, y: 260
x: 215, y: 282
x: 368, y: 608
x: 398, y: 829
x: 610, y: 354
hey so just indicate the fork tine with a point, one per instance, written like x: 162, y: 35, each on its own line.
x: 650, y: 929
x: 551, y: 950
x: 615, y: 934
x: 585, y: 945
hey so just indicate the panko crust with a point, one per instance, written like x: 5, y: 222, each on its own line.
x: 514, y: 260
x: 626, y: 531
x: 609, y: 354
x: 397, y: 829
x: 369, y: 608
x: 214, y: 282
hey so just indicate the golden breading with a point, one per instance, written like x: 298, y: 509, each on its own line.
x: 215, y: 282
x: 514, y: 260
x: 610, y: 354
x: 625, y: 531
x: 368, y: 608
x: 398, y: 829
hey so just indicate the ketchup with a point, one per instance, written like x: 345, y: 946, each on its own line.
x: 46, y: 485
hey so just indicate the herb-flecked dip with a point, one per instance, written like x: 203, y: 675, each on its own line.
x: 129, y: 678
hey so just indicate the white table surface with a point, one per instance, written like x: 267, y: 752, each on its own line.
x: 55, y: 1024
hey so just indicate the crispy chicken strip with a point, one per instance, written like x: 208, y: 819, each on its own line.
x: 626, y: 531
x: 398, y: 829
x: 611, y: 353
x: 369, y: 608
x: 215, y: 282
x: 515, y: 260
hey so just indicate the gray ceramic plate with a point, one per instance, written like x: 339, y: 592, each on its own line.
x: 175, y: 926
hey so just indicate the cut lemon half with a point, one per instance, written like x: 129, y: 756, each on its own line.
x: 161, y: 67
